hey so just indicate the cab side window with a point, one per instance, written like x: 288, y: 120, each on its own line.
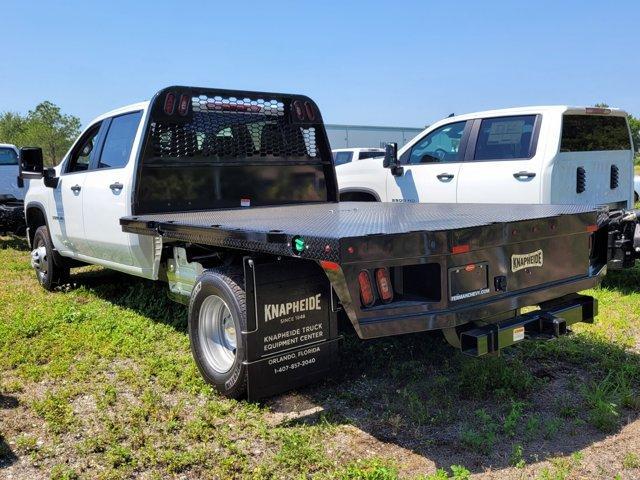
x: 81, y: 155
x: 440, y: 146
x: 506, y: 138
x: 119, y: 140
x: 340, y: 158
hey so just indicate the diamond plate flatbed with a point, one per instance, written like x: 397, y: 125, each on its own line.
x: 327, y: 228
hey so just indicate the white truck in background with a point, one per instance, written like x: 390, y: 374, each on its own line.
x: 11, y: 193
x: 529, y: 155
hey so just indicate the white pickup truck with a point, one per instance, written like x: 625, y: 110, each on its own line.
x: 534, y: 155
x: 231, y: 198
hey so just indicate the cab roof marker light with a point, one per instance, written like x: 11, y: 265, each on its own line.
x: 597, y: 110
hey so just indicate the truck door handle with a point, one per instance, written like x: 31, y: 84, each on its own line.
x: 445, y: 177
x: 523, y: 175
x: 76, y: 188
x: 116, y: 186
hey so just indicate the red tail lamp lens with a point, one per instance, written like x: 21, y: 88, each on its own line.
x: 366, y: 289
x: 169, y: 103
x: 460, y: 249
x: 183, y: 106
x: 311, y: 114
x: 327, y: 265
x: 384, y: 285
x: 299, y: 109
x: 592, y: 228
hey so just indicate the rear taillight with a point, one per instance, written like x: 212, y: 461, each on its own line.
x: 460, y: 249
x: 169, y: 103
x: 311, y: 114
x: 299, y: 109
x: 384, y: 285
x: 366, y: 289
x: 183, y: 105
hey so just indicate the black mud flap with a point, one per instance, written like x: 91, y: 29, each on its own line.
x: 292, y: 335
x: 551, y: 320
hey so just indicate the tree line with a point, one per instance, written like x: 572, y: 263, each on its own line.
x: 45, y: 126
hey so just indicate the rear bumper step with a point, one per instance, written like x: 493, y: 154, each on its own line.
x: 552, y: 320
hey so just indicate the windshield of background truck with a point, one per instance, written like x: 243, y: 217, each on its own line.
x: 8, y: 156
x: 441, y: 145
x: 587, y: 133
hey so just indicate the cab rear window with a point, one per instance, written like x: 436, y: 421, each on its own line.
x: 587, y: 133
x: 8, y: 156
x: 364, y: 155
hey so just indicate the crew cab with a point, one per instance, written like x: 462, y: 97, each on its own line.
x: 533, y: 155
x: 11, y: 194
x: 231, y: 198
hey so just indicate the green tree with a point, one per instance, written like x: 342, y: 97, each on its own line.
x: 45, y: 126
x: 11, y: 128
x: 48, y: 128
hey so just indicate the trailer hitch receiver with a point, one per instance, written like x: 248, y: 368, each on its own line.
x: 552, y: 320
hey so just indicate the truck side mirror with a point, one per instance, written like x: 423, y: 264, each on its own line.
x: 31, y: 162
x: 49, y: 177
x: 391, y: 159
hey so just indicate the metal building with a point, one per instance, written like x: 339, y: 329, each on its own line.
x: 352, y: 136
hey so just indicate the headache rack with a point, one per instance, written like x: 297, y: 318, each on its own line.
x: 212, y: 148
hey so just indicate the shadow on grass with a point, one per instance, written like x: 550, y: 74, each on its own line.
x: 7, y: 457
x: 536, y: 401
x: 14, y: 242
x: 146, y: 297
x: 624, y: 281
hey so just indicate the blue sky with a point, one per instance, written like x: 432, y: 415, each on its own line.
x: 405, y: 63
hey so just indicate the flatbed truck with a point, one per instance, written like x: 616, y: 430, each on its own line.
x: 231, y: 198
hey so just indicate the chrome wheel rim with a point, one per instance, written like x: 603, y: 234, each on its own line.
x: 39, y: 260
x: 217, y: 334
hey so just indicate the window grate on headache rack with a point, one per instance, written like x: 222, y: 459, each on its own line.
x: 233, y: 129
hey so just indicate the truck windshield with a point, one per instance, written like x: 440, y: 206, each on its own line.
x: 8, y: 156
x: 586, y: 133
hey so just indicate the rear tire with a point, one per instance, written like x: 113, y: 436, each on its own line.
x: 49, y: 267
x: 217, y: 316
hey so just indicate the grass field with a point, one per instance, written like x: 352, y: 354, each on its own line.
x: 97, y: 381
